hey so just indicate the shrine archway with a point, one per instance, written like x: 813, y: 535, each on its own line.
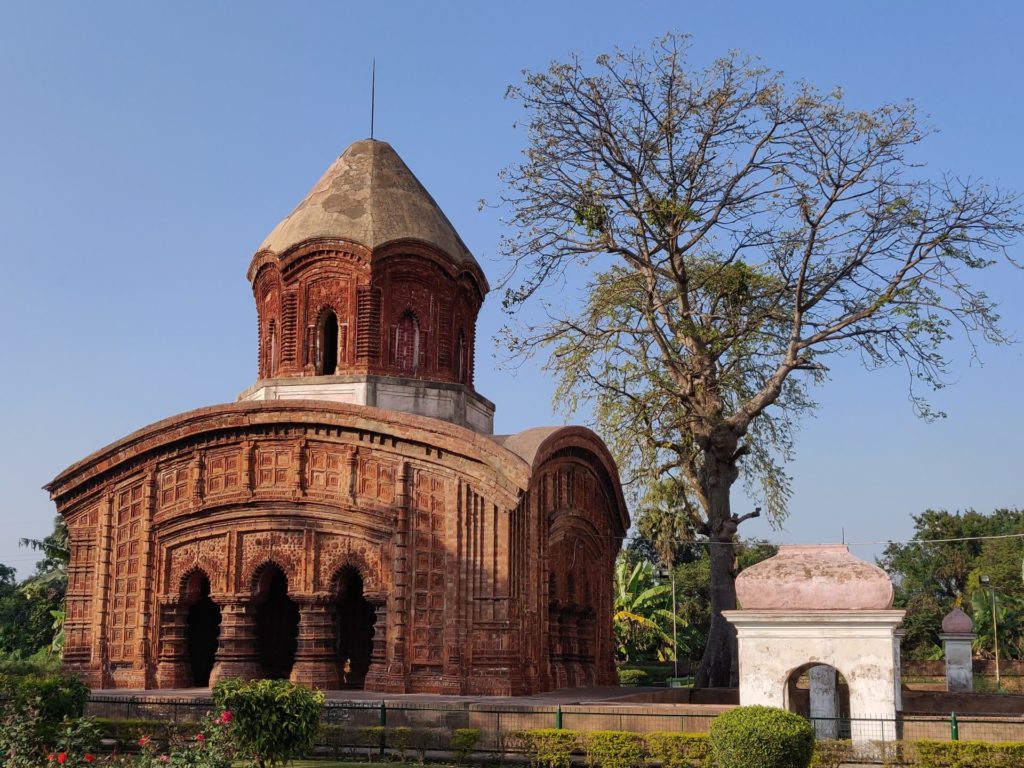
x: 353, y: 622
x: 277, y: 622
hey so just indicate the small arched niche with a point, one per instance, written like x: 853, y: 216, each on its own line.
x: 354, y: 620
x: 202, y: 626
x: 277, y: 622
x: 327, y: 344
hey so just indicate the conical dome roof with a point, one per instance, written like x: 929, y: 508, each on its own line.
x: 370, y: 196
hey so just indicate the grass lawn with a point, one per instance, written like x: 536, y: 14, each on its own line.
x: 358, y: 764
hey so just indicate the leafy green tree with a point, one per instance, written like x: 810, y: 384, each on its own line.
x: 943, y: 564
x: 641, y: 615
x: 738, y: 234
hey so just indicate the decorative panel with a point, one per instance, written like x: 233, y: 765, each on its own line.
x: 126, y: 571
x: 429, y: 571
x: 327, y: 470
x: 172, y: 484
x: 223, y: 471
x: 272, y: 465
x: 377, y: 479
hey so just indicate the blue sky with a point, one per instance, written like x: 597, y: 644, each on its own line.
x: 147, y: 148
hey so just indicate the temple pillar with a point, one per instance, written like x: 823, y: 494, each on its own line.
x: 173, y: 668
x: 376, y: 675
x: 316, y: 656
x: 236, y: 650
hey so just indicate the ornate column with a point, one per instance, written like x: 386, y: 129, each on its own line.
x: 316, y: 656
x: 173, y: 668
x: 376, y: 675
x: 236, y: 648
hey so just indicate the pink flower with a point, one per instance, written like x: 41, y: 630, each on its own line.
x: 62, y: 757
x: 225, y: 717
x: 164, y: 759
x: 89, y: 758
x: 144, y: 741
x: 50, y: 757
x: 200, y: 738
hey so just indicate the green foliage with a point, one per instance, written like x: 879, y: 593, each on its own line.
x: 932, y: 575
x: 274, y: 720
x: 613, y: 749
x: 462, y: 742
x: 549, y: 747
x: 679, y: 750
x: 831, y: 753
x: 641, y: 615
x: 761, y: 737
x: 968, y: 754
x: 398, y: 740
x: 422, y: 739
x: 632, y: 677
x: 370, y: 738
x: 50, y: 699
x: 125, y: 734
x: 208, y: 746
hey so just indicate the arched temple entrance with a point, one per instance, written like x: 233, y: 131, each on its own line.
x: 277, y: 623
x: 353, y: 621
x: 202, y: 627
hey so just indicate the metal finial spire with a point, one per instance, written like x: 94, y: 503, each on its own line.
x: 373, y: 92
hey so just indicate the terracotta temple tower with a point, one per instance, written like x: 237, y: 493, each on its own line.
x: 350, y: 521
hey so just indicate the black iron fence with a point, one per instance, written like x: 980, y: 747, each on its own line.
x: 362, y: 728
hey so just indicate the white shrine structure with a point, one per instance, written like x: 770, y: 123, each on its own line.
x: 820, y: 610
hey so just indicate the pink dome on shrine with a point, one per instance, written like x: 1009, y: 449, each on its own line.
x: 957, y: 623
x: 815, y: 577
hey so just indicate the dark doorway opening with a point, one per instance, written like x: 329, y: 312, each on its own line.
x: 354, y: 622
x: 202, y: 628
x: 277, y: 623
x: 328, y: 344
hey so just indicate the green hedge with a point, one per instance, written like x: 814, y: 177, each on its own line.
x: 613, y: 749
x: 547, y: 747
x: 632, y: 677
x: 969, y: 754
x: 679, y: 750
x: 762, y: 737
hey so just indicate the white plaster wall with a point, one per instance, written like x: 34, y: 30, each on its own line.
x: 859, y: 644
x: 424, y: 398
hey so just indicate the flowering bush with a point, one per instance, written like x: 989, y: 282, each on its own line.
x: 210, y: 747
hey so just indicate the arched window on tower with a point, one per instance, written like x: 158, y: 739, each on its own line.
x: 327, y: 344
x: 461, y: 359
x: 406, y: 351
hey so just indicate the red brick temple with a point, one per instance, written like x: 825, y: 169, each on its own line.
x: 351, y: 521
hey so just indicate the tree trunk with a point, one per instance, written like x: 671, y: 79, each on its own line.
x: 719, y: 667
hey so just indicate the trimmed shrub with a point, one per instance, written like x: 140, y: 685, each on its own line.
x: 632, y: 677
x: 679, y: 750
x: 831, y: 753
x: 371, y: 738
x: 969, y: 754
x: 613, y: 749
x: 398, y: 740
x: 422, y: 739
x: 761, y: 737
x: 274, y: 720
x: 462, y: 742
x: 549, y: 747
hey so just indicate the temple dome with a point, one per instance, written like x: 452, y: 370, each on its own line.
x: 819, y: 577
x: 369, y: 196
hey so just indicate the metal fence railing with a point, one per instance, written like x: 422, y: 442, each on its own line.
x: 347, y: 726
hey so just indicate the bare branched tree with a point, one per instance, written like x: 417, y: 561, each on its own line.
x: 739, y: 232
